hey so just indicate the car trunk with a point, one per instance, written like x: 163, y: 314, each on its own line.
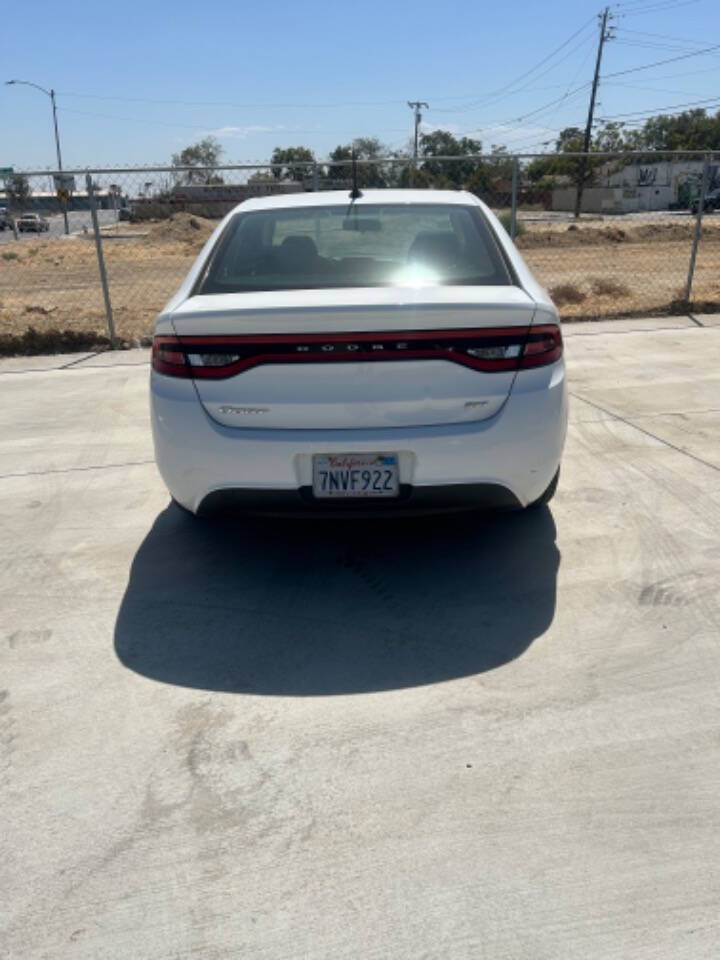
x: 353, y: 358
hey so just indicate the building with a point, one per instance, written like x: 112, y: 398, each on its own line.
x: 664, y: 185
x: 46, y: 202
x: 207, y: 200
x: 231, y: 192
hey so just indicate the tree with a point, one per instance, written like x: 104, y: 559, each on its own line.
x: 570, y: 140
x: 442, y: 143
x: 492, y: 178
x: 500, y: 164
x: 260, y: 176
x: 17, y: 189
x: 407, y: 175
x: 690, y: 130
x: 609, y: 138
x: 369, y: 174
x: 203, y: 155
x: 287, y: 157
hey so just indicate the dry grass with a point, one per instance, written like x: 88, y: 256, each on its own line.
x: 608, y: 287
x: 33, y: 342
x: 50, y: 295
x: 566, y: 293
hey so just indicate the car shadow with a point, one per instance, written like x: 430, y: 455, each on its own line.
x: 315, y: 608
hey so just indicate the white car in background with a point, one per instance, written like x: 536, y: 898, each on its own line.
x: 33, y: 223
x: 390, y: 352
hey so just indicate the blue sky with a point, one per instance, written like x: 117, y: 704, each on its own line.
x: 138, y: 81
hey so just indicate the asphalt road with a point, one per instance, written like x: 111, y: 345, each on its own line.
x: 77, y: 221
x: 491, y: 738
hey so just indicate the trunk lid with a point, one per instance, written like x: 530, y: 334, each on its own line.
x: 298, y: 346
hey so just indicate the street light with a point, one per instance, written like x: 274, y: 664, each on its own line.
x: 51, y: 94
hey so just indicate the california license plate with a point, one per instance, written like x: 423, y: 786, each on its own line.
x: 356, y: 475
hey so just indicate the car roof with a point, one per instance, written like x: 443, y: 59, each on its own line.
x: 341, y: 198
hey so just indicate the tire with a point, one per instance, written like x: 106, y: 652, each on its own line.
x: 547, y: 495
x: 182, y: 509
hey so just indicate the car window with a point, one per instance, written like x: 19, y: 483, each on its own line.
x: 355, y: 246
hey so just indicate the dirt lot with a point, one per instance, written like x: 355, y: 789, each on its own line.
x: 50, y: 295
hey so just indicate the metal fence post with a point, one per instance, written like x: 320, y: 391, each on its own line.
x: 698, y: 229
x: 315, y: 177
x: 513, y: 208
x: 101, y: 260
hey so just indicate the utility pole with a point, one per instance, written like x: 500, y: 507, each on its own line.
x: 51, y: 94
x: 417, y: 105
x: 59, y: 156
x: 604, y: 35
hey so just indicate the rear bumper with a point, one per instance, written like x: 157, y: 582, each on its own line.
x: 507, y: 459
x: 412, y: 500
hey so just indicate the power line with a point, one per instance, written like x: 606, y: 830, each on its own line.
x: 636, y: 86
x: 326, y: 105
x: 581, y: 66
x: 686, y: 73
x: 658, y: 63
x: 649, y: 45
x: 511, y: 120
x: 659, y: 110
x: 106, y: 116
x: 278, y: 131
x: 662, y: 36
x: 508, y: 90
x: 565, y: 96
x: 229, y: 103
x: 657, y: 8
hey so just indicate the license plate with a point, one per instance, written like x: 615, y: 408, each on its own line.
x: 356, y: 475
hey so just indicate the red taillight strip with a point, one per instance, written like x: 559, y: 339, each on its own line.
x: 543, y: 349
x: 469, y: 333
x: 169, y: 358
x: 171, y: 354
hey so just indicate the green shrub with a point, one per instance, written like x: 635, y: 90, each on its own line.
x: 519, y: 225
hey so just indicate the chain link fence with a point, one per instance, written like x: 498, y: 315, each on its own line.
x: 647, y: 240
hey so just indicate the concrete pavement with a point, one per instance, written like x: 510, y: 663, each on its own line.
x: 448, y: 739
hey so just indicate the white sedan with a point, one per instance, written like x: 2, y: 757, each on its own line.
x: 390, y: 352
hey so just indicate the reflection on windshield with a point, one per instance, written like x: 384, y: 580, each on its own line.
x: 416, y: 275
x: 317, y: 247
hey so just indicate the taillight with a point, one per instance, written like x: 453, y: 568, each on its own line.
x: 544, y: 345
x: 487, y: 349
x: 168, y: 357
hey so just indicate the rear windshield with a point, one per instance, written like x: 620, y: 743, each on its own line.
x: 367, y: 245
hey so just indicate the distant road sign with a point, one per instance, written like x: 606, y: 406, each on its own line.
x: 64, y: 181
x: 63, y: 195
x: 6, y: 171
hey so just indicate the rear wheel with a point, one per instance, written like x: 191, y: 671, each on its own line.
x: 182, y: 509
x: 547, y: 495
